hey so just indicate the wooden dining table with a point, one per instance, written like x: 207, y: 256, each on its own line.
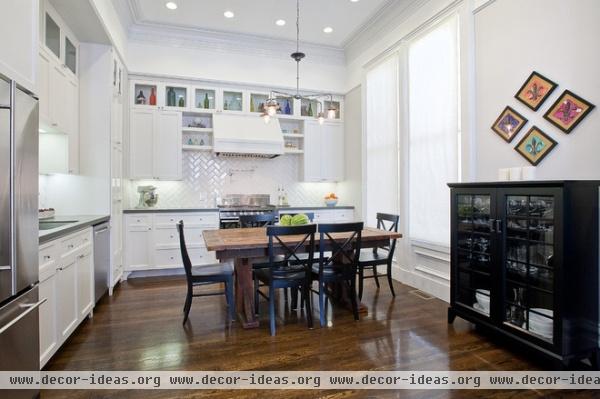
x: 242, y: 245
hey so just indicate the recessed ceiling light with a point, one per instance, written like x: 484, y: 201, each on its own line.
x: 171, y: 6
x: 328, y: 29
x: 280, y: 22
x: 354, y: 1
x: 229, y: 14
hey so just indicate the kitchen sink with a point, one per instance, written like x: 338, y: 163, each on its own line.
x: 53, y: 224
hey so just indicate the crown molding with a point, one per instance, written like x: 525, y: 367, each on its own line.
x: 385, y: 9
x: 381, y: 25
x: 227, y: 42
x: 142, y: 31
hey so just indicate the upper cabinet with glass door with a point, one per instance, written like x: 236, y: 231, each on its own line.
x: 59, y: 40
x: 175, y: 96
x: 203, y: 99
x: 233, y: 101
x: 145, y: 94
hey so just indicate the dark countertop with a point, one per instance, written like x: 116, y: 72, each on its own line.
x: 189, y: 210
x: 314, y: 208
x: 82, y: 222
x: 169, y: 210
x: 522, y: 183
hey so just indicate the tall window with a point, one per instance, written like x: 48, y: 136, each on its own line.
x: 382, y: 139
x: 434, y: 130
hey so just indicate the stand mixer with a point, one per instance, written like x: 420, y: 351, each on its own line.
x: 148, y: 197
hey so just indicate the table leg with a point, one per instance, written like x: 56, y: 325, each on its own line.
x: 244, y: 293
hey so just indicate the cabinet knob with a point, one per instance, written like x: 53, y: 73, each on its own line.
x: 172, y: 236
x: 46, y: 256
x: 149, y: 228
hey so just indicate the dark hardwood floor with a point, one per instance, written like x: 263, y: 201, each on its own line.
x: 139, y: 328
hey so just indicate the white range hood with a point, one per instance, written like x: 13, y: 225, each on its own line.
x: 246, y: 136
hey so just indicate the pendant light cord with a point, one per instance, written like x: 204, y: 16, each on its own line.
x: 297, y: 47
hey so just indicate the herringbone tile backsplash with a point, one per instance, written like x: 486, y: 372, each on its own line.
x: 206, y: 177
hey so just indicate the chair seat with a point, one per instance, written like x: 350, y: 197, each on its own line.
x: 217, y: 269
x: 330, y: 270
x: 367, y: 257
x: 282, y: 273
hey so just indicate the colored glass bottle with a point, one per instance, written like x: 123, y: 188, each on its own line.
x: 288, y: 110
x: 153, y: 96
x: 141, y: 98
x: 310, y: 110
x: 206, y: 102
x: 251, y: 105
x: 181, y: 102
x: 171, y: 97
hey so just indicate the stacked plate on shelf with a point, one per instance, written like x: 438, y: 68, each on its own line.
x: 539, y: 324
x: 483, y: 301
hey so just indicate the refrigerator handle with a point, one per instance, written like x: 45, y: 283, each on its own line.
x: 31, y: 307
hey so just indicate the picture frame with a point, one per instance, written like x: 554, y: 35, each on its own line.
x: 568, y: 111
x: 535, y: 146
x: 509, y: 124
x: 536, y: 89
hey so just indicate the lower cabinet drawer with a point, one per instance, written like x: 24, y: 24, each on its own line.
x: 172, y: 257
x: 171, y: 237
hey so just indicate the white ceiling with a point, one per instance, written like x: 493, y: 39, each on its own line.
x: 257, y: 17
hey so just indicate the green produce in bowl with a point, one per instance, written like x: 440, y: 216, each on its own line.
x: 286, y: 220
x: 300, y: 219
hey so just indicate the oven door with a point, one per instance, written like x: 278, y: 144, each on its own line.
x: 232, y: 222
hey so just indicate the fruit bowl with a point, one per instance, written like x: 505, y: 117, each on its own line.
x: 331, y: 202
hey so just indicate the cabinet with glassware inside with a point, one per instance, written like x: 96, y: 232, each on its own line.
x: 524, y: 264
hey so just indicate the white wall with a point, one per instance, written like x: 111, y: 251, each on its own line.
x: 190, y: 60
x: 561, y: 42
x: 350, y: 190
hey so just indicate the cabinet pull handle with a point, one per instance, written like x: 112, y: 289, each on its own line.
x: 30, y: 308
x: 46, y: 256
x: 499, y: 226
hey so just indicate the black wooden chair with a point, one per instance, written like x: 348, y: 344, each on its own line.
x: 280, y: 272
x: 205, y: 275
x: 266, y: 219
x: 340, y: 266
x: 370, y: 259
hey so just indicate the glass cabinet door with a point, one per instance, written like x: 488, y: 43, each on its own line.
x: 529, y: 270
x: 474, y: 263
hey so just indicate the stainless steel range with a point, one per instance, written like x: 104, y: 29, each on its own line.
x: 235, y: 205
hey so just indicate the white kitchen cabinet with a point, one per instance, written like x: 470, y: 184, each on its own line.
x: 152, y: 240
x: 48, y: 328
x: 66, y: 282
x: 19, y: 24
x: 155, y: 147
x: 58, y: 90
x: 66, y: 299
x: 138, y: 242
x: 85, y: 281
x: 323, y: 152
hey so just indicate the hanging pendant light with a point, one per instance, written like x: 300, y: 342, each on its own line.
x: 272, y: 105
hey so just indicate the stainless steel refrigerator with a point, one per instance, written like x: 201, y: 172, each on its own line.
x: 19, y: 276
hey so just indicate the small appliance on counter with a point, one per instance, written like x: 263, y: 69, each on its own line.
x: 148, y: 196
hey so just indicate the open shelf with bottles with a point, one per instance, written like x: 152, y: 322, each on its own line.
x: 525, y: 263
x: 145, y: 94
x: 204, y: 99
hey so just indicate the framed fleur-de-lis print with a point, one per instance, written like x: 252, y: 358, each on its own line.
x: 509, y: 124
x: 568, y: 111
x: 535, y: 145
x: 535, y: 90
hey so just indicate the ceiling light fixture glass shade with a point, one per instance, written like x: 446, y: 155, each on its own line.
x: 331, y: 113
x: 266, y: 117
x: 272, y: 105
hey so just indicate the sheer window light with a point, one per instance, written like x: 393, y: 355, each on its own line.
x: 434, y: 130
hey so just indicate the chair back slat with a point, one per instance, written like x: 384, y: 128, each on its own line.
x: 388, y: 222
x: 290, y: 251
x: 187, y: 263
x: 247, y: 221
x: 346, y: 252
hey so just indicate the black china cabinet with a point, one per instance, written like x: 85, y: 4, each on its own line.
x: 525, y: 263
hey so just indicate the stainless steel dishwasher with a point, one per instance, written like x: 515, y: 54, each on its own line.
x: 101, y: 258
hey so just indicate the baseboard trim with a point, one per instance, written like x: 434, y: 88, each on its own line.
x: 434, y: 285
